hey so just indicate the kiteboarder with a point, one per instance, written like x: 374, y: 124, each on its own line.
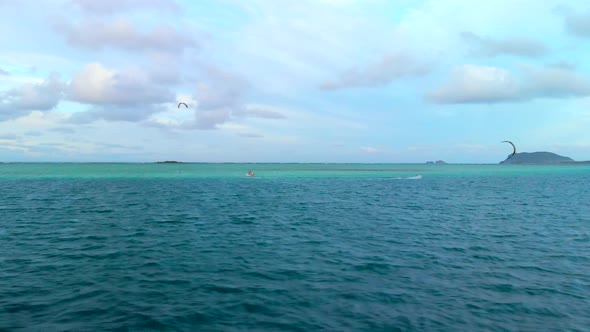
x: 250, y: 173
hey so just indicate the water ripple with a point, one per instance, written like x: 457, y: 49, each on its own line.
x: 447, y: 253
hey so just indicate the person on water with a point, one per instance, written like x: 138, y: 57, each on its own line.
x: 250, y: 173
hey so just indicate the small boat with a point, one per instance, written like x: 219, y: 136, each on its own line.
x: 250, y: 173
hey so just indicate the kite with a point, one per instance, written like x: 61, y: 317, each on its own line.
x: 513, y: 147
x: 182, y: 104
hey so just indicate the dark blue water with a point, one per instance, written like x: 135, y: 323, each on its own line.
x: 487, y: 253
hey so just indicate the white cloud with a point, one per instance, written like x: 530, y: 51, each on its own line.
x: 93, y: 84
x: 437, y: 25
x: 115, y: 6
x: 123, y: 34
x: 481, y: 84
x: 470, y: 83
x: 134, y: 113
x: 96, y: 84
x: 28, y: 127
x: 262, y: 111
x: 31, y: 97
x: 117, y: 95
x: 370, y: 149
x: 304, y: 41
x: 387, y: 69
x: 490, y: 47
x: 219, y: 95
x: 554, y: 82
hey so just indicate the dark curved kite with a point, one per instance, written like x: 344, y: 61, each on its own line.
x: 185, y: 105
x: 513, y: 147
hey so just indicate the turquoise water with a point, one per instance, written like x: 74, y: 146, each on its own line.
x: 272, y: 171
x: 300, y: 247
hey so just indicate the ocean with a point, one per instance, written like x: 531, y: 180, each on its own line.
x: 299, y: 247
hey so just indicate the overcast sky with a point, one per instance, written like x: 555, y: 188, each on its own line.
x: 293, y: 81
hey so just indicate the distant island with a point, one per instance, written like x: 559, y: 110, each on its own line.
x: 169, y: 162
x: 537, y: 158
x: 437, y: 162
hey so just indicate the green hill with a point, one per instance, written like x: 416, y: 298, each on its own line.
x: 537, y: 158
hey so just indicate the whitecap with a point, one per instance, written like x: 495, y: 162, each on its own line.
x: 417, y: 177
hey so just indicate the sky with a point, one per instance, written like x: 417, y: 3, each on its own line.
x: 368, y: 81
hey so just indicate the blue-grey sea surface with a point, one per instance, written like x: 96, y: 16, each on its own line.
x: 299, y: 247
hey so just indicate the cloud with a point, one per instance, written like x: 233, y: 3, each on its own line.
x: 219, y: 96
x: 261, y: 111
x: 122, y: 34
x: 114, y: 95
x: 554, y: 82
x: 220, y: 88
x: 220, y: 100
x: 480, y: 84
x: 250, y: 135
x: 133, y: 113
x: 489, y: 47
x: 578, y: 24
x: 477, y: 84
x: 114, y: 6
x: 31, y: 97
x: 221, y: 117
x: 63, y: 130
x: 563, y: 65
x: 96, y: 84
x: 8, y: 137
x: 370, y: 149
x: 382, y: 72
x: 165, y: 68
x: 4, y: 72
x: 210, y: 119
x: 119, y: 146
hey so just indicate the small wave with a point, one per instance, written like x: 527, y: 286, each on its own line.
x: 223, y: 289
x: 373, y: 267
x: 417, y: 177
